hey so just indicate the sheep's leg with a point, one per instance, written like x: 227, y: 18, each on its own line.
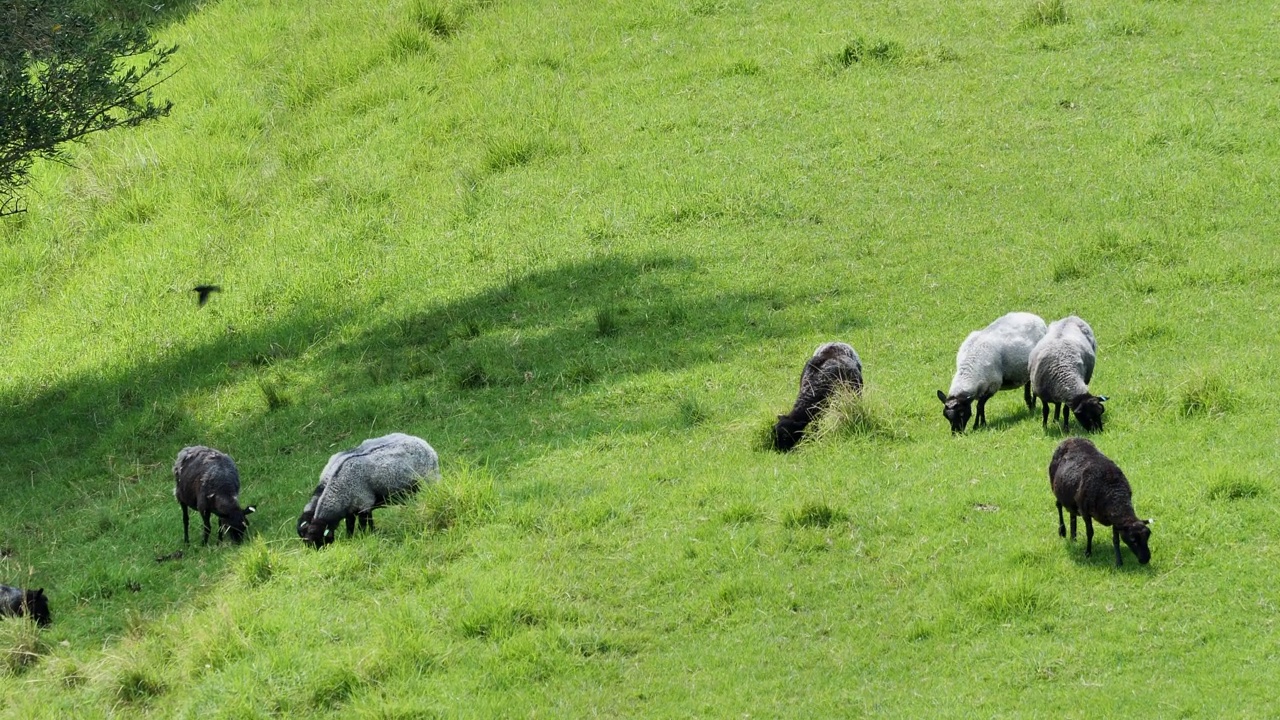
x: 1066, y: 418
x: 186, y: 524
x: 351, y: 524
x: 1028, y: 397
x: 1045, y: 419
x: 1088, y: 531
x: 1062, y: 527
x: 204, y: 515
x: 368, y: 515
x: 982, y: 412
x: 1073, y: 526
x: 1057, y: 411
x: 1115, y: 540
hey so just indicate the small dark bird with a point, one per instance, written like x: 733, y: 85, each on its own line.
x: 204, y: 291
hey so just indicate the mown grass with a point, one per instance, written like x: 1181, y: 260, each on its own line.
x: 585, y: 251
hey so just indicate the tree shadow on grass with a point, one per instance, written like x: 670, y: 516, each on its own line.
x: 498, y: 376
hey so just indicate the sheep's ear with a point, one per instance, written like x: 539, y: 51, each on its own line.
x: 39, y: 592
x: 943, y: 397
x: 250, y: 510
x: 1148, y: 521
x: 1102, y: 398
x: 210, y: 495
x: 327, y: 531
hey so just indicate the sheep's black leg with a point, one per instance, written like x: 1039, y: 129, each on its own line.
x: 1115, y: 540
x: 1088, y: 531
x: 1045, y: 418
x: 1066, y: 418
x: 351, y: 524
x: 1028, y: 397
x: 369, y: 516
x: 186, y: 524
x: 1073, y: 526
x: 1062, y: 527
x: 205, y: 517
x: 980, y: 417
x: 1057, y: 411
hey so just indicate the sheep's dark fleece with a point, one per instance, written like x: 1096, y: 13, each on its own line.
x: 207, y: 481
x: 18, y: 602
x: 832, y: 363
x: 1088, y: 483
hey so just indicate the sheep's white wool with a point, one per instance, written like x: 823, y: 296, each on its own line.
x: 376, y: 472
x: 996, y: 357
x: 1062, y: 362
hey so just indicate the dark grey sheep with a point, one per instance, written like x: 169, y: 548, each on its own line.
x: 18, y: 602
x: 1088, y: 483
x: 354, y: 482
x: 207, y: 481
x: 1061, y: 370
x: 832, y: 363
x: 989, y: 360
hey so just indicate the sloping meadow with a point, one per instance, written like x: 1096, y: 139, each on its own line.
x: 584, y: 251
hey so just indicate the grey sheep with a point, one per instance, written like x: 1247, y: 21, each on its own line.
x: 1088, y: 483
x: 18, y: 602
x: 1061, y: 370
x: 207, y: 481
x: 354, y: 482
x: 992, y: 359
x: 832, y: 363
x: 309, y: 511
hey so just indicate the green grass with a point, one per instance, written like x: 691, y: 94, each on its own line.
x: 584, y: 250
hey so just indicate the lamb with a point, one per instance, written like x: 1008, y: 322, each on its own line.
x: 990, y: 360
x: 832, y: 363
x: 354, y: 482
x: 207, y: 481
x: 1088, y: 483
x: 1061, y: 369
x: 18, y: 602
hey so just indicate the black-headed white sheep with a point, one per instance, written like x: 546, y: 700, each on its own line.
x: 207, y: 481
x: 1088, y: 483
x: 832, y: 363
x: 380, y: 471
x: 1061, y: 370
x: 992, y: 359
x: 18, y: 602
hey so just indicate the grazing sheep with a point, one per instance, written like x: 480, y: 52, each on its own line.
x: 832, y: 363
x: 990, y: 360
x: 354, y: 482
x: 1061, y: 369
x: 18, y: 602
x: 309, y: 511
x: 207, y: 481
x: 1088, y: 483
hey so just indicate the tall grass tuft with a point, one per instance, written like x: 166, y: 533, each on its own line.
x: 21, y: 645
x: 464, y: 497
x: 849, y: 414
x: 1207, y: 395
x: 1045, y: 13
x: 813, y: 514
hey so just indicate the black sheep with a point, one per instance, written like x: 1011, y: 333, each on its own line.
x: 1088, y: 483
x: 207, y: 481
x: 832, y: 363
x: 18, y: 602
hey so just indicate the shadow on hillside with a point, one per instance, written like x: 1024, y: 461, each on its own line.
x: 497, y: 376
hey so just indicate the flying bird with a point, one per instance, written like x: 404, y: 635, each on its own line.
x: 204, y: 291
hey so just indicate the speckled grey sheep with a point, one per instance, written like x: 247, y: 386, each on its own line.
x: 992, y: 359
x: 1088, y: 483
x: 207, y: 481
x: 832, y: 363
x: 309, y: 511
x: 380, y: 471
x: 1061, y: 370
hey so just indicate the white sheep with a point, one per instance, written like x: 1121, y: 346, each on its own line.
x: 1061, y: 370
x: 990, y: 360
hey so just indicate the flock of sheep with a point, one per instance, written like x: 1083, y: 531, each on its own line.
x: 1053, y: 363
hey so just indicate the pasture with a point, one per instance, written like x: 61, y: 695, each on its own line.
x: 584, y: 250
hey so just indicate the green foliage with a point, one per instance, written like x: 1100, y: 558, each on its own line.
x: 20, y: 645
x: 1045, y: 13
x: 67, y: 71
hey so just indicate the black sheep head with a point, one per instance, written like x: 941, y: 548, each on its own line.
x: 957, y: 410
x: 318, y: 534
x: 1089, y: 410
x: 787, y: 433
x: 37, y: 605
x: 1136, y: 536
x: 304, y: 520
x: 232, y: 519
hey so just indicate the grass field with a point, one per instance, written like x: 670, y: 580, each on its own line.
x: 584, y: 249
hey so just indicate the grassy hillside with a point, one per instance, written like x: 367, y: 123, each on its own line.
x: 584, y: 250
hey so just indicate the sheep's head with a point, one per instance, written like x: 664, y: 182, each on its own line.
x: 303, y: 521
x: 787, y: 433
x: 318, y: 534
x: 231, y: 517
x: 957, y: 410
x: 1089, y: 410
x: 1136, y: 537
x: 37, y: 605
